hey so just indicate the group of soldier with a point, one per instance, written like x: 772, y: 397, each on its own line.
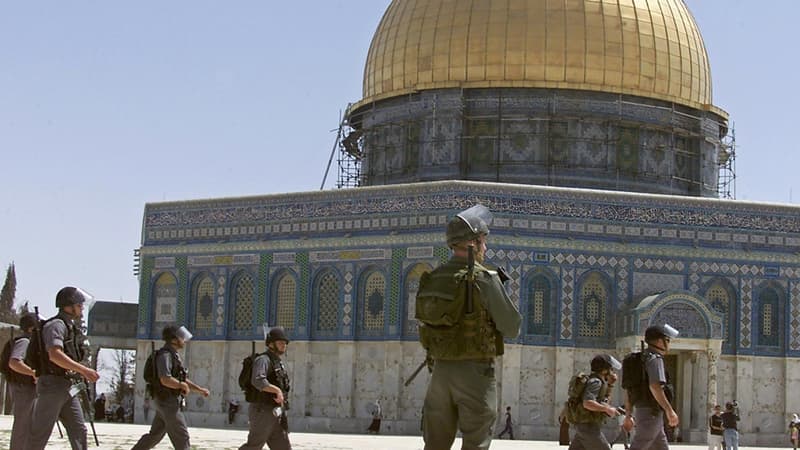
x: 464, y: 314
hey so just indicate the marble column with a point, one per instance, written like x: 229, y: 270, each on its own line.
x: 712, y: 356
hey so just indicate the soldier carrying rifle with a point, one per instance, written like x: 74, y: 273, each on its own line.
x: 55, y: 353
x: 464, y: 313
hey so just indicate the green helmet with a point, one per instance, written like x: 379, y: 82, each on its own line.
x: 468, y: 225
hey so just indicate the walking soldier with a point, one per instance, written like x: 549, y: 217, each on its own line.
x: 55, y: 353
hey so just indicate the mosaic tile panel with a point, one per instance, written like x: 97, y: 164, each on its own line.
x: 347, y: 309
x: 694, y: 277
x: 567, y: 303
x: 183, y: 289
x: 261, y: 296
x: 745, y: 309
x: 398, y: 255
x: 145, y: 272
x: 794, y: 316
x: 646, y: 283
x: 219, y: 320
x: 302, y: 260
x: 442, y: 253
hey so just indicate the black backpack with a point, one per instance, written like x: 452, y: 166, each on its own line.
x: 5, y: 364
x: 633, y: 374
x: 245, y: 377
x: 149, y: 373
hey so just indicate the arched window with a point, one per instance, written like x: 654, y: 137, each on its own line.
x: 243, y: 296
x: 593, y: 304
x: 371, y: 296
x: 326, y: 294
x: 203, y: 295
x: 720, y: 296
x: 769, y: 331
x: 285, y: 295
x: 540, y: 299
x: 410, y: 325
x: 165, y: 300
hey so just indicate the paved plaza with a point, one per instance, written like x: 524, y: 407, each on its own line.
x: 123, y: 436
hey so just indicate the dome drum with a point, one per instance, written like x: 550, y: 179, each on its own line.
x: 552, y: 137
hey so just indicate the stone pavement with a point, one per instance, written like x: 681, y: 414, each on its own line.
x: 123, y: 436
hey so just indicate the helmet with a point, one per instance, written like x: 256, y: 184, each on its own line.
x: 27, y: 321
x: 605, y: 361
x: 71, y: 296
x: 654, y: 332
x: 468, y: 225
x: 172, y: 332
x: 277, y: 334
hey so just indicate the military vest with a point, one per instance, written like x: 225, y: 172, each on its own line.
x: 577, y: 413
x: 446, y: 330
x: 177, y: 371
x: 277, y: 376
x: 73, y: 348
x: 643, y: 396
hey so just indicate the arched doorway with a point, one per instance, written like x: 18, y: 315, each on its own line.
x: 692, y: 361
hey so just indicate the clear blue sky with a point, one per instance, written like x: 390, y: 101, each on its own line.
x: 105, y: 106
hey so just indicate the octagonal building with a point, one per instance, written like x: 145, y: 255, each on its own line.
x: 588, y: 128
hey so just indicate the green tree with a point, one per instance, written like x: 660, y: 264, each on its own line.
x: 7, y: 312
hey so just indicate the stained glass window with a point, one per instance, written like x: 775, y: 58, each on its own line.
x: 594, y: 298
x: 204, y: 305
x: 244, y: 301
x: 286, y: 295
x: 165, y: 302
x: 327, y: 290
x: 540, y: 298
x: 370, y: 303
x: 719, y: 299
x: 411, y: 326
x: 769, y: 329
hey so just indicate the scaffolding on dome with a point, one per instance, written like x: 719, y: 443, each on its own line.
x: 727, y: 166
x: 348, y: 151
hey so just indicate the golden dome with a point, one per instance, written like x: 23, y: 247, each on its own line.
x: 648, y: 48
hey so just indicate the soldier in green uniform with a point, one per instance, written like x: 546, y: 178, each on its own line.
x: 591, y: 412
x: 464, y: 313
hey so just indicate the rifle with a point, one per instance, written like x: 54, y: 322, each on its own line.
x: 79, y: 387
x: 426, y: 362
x: 470, y: 277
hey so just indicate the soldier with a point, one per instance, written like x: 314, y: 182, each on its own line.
x: 268, y: 403
x: 593, y: 408
x: 170, y: 386
x: 464, y: 313
x: 652, y: 399
x: 22, y: 383
x: 58, y: 370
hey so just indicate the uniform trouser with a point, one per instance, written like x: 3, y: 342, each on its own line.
x: 168, y: 420
x: 265, y: 428
x: 649, y: 431
x: 731, y: 439
x: 23, y: 396
x: 463, y: 395
x: 715, y: 442
x: 54, y: 402
x: 589, y: 436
